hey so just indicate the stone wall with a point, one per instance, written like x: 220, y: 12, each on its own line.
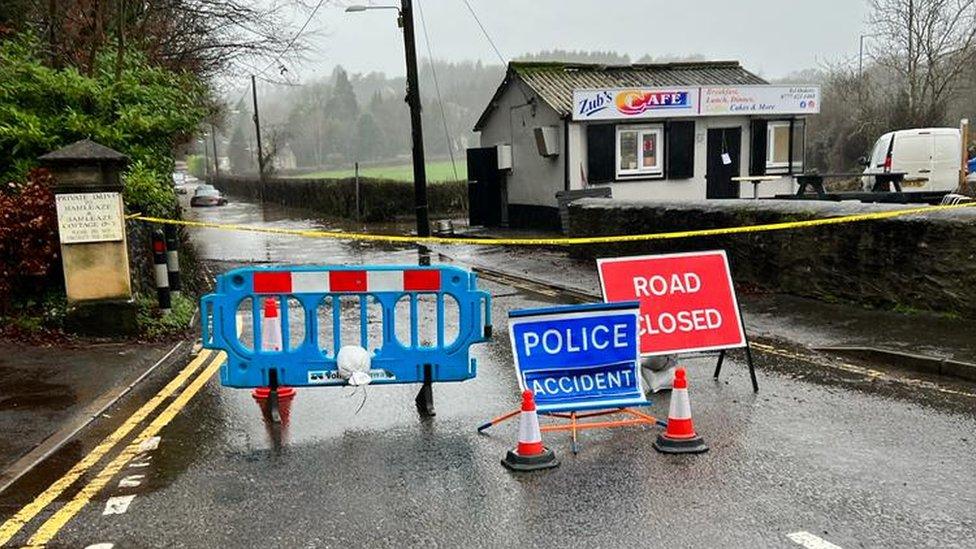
x: 380, y: 199
x: 919, y: 262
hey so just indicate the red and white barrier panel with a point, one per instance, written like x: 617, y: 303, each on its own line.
x: 319, y: 282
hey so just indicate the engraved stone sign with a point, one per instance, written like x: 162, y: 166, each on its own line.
x: 89, y: 217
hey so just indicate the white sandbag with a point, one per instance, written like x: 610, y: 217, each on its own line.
x: 658, y: 372
x: 354, y: 364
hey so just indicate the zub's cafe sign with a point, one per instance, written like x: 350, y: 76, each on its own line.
x: 649, y: 103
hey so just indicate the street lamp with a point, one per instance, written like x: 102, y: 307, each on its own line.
x: 405, y: 21
x: 860, y: 55
x: 860, y: 70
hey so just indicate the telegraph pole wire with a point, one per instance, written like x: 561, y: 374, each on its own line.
x: 485, y: 32
x: 437, y: 89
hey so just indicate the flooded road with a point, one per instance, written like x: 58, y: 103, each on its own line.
x: 838, y: 461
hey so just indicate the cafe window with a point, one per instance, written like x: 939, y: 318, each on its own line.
x: 640, y: 151
x: 785, y: 139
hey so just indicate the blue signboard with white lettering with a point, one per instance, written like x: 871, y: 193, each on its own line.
x: 579, y: 357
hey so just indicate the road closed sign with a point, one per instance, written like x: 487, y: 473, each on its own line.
x: 687, y: 302
x: 578, y: 357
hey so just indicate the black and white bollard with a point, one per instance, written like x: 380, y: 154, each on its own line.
x: 173, y: 259
x: 162, y: 273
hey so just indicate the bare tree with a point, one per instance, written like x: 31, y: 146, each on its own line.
x: 201, y: 36
x: 929, y: 44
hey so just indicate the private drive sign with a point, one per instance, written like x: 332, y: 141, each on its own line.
x: 578, y: 357
x: 687, y: 302
x: 89, y: 217
x: 671, y: 102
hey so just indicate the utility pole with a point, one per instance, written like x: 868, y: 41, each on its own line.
x: 257, y: 130
x: 425, y: 398
x: 206, y: 159
x: 416, y: 129
x: 213, y: 138
x: 911, y: 60
x: 963, y: 182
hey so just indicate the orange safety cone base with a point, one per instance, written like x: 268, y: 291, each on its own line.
x: 286, y: 395
x: 262, y: 393
x: 545, y: 460
x: 668, y: 445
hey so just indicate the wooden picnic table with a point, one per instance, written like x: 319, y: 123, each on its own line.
x: 756, y: 180
x: 883, y: 181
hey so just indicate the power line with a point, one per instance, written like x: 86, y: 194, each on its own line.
x: 485, y: 32
x: 440, y: 101
x: 294, y: 38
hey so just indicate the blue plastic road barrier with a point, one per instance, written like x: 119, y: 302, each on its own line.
x: 580, y: 357
x: 320, y: 292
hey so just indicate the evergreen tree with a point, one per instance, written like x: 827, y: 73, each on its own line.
x: 342, y: 104
x: 238, y: 153
x: 369, y: 139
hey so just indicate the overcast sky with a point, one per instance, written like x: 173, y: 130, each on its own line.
x: 771, y: 37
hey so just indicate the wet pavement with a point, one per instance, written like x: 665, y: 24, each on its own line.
x: 47, y: 393
x: 849, y: 456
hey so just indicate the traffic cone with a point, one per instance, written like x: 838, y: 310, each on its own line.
x: 680, y: 437
x: 271, y: 341
x: 270, y: 326
x: 530, y: 454
x: 285, y: 396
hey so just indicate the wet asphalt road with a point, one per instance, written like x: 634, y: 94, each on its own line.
x: 854, y: 461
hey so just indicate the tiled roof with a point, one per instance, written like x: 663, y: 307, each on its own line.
x: 555, y: 82
x: 85, y: 149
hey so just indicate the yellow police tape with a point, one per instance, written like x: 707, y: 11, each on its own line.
x: 573, y: 241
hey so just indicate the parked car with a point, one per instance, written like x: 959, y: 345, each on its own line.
x: 207, y: 197
x: 930, y: 158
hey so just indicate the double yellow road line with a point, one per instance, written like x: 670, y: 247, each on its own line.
x: 62, y: 516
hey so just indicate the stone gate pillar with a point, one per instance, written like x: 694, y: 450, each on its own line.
x: 91, y: 225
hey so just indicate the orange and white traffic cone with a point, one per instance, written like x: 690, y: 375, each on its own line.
x: 271, y: 341
x: 270, y: 326
x: 680, y: 437
x: 530, y: 454
x: 262, y: 396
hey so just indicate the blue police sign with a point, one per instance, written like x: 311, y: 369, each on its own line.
x: 580, y: 357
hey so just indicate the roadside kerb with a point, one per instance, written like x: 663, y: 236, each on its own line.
x: 57, y: 440
x: 15, y: 523
x: 909, y: 361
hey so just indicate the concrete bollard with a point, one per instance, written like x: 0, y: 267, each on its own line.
x: 173, y: 259
x: 162, y: 274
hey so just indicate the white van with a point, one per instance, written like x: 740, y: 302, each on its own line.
x: 930, y: 157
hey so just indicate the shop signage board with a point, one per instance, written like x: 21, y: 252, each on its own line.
x: 687, y: 302
x: 673, y: 102
x: 760, y: 100
x: 578, y: 357
x: 89, y: 217
x: 643, y: 103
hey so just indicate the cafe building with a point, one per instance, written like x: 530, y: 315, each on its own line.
x: 674, y: 131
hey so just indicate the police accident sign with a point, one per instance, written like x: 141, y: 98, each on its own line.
x: 578, y: 357
x: 687, y: 302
